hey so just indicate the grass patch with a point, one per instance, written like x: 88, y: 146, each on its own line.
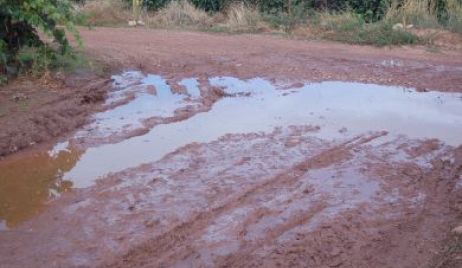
x: 351, y: 28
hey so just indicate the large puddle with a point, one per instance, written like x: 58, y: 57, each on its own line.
x: 339, y: 109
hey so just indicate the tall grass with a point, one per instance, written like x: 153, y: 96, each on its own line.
x: 105, y: 12
x: 427, y: 14
x: 420, y: 13
x: 242, y: 18
x: 454, y: 9
x: 180, y: 14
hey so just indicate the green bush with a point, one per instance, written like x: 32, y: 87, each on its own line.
x: 19, y: 22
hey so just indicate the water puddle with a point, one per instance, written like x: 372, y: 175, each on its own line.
x: 145, y: 96
x: 28, y: 182
x: 340, y: 110
x: 192, y: 87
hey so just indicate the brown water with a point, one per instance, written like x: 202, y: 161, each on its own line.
x: 28, y: 181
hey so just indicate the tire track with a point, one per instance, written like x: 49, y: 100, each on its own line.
x: 176, y: 244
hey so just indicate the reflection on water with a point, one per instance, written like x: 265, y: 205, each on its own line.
x: 340, y: 109
x: 192, y: 87
x: 29, y: 180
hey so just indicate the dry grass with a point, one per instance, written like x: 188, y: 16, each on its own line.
x: 416, y: 12
x: 179, y: 14
x: 455, y: 15
x: 242, y: 18
x: 423, y: 14
x: 183, y: 14
x: 105, y: 12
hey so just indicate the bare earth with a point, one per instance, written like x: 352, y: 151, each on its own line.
x: 284, y: 198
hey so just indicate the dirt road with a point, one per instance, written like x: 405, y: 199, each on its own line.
x: 186, y: 54
x: 245, y: 160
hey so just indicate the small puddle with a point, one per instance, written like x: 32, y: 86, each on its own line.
x: 145, y: 96
x: 192, y: 87
x: 340, y: 109
x: 27, y: 183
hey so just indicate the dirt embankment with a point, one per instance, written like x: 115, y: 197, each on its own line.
x: 36, y: 111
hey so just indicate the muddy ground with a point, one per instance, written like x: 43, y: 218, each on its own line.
x: 289, y: 197
x: 34, y: 111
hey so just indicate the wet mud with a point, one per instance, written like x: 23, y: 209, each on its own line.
x: 223, y: 171
x: 40, y: 111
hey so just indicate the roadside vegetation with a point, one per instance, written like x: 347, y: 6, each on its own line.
x: 374, y: 22
x: 33, y: 36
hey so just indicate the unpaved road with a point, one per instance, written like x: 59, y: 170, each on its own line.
x: 288, y: 193
x: 197, y: 54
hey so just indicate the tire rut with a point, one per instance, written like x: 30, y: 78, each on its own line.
x: 176, y: 243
